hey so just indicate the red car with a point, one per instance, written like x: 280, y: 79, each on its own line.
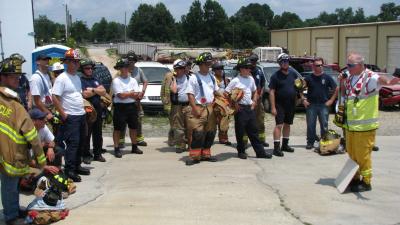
x: 389, y: 95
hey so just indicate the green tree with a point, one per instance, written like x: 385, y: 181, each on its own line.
x: 217, y: 21
x: 345, y: 16
x: 359, y: 16
x: 46, y: 31
x: 287, y: 20
x: 389, y: 11
x: 80, y: 32
x: 328, y: 18
x: 249, y: 34
x: 99, y: 31
x: 150, y: 23
x: 115, y: 31
x: 193, y: 24
x: 262, y: 14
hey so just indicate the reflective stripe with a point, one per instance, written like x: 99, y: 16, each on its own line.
x: 31, y: 135
x: 12, y: 134
x: 13, y: 171
x: 366, y: 173
x: 140, y: 138
x: 372, y: 94
x: 362, y: 122
x: 41, y: 159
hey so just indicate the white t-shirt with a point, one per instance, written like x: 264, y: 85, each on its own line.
x: 182, y: 83
x: 46, y: 135
x: 40, y: 85
x: 121, y: 85
x: 69, y: 88
x: 208, y: 86
x: 248, y: 86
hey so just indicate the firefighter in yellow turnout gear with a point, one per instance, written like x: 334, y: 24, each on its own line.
x: 16, y: 132
x: 223, y: 117
x: 361, y: 91
x: 202, y: 120
x: 165, y: 94
x: 179, y: 106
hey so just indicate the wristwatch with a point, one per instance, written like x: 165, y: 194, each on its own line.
x: 93, y: 90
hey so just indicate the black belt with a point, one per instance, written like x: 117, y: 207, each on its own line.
x: 245, y: 106
x: 182, y: 103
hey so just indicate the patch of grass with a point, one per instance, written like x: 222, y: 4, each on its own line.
x: 84, y: 51
x: 111, y: 52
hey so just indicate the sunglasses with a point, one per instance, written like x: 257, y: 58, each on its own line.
x: 284, y: 62
x: 351, y: 65
x: 318, y: 65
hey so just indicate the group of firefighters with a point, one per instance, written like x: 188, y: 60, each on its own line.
x: 198, y: 103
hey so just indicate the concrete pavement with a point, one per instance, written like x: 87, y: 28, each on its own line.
x: 158, y: 188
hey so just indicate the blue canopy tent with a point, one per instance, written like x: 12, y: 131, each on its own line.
x: 54, y: 51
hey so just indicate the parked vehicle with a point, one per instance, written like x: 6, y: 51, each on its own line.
x: 389, y: 95
x: 155, y: 73
x: 267, y: 54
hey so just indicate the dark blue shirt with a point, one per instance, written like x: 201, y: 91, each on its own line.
x: 91, y: 82
x: 258, y: 77
x: 283, y: 84
x: 319, y: 88
x: 23, y: 90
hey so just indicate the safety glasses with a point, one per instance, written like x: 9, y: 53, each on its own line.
x: 351, y: 65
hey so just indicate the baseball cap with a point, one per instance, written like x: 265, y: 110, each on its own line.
x: 36, y: 114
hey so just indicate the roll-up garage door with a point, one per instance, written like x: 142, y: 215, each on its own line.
x: 359, y: 45
x: 393, y: 59
x: 325, y: 49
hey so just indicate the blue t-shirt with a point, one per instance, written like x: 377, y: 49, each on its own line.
x: 319, y: 87
x: 258, y: 77
x: 283, y: 84
x: 91, y: 82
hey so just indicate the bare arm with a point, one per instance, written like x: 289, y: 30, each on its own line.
x: 192, y: 103
x: 129, y: 94
x: 272, y: 101
x: 40, y: 105
x: 57, y: 105
x: 90, y: 92
x: 255, y: 99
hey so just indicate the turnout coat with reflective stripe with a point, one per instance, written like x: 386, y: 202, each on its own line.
x: 362, y: 109
x: 16, y: 133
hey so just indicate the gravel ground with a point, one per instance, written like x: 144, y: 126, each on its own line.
x: 157, y: 125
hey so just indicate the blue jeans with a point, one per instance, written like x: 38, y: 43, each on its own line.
x: 10, y: 196
x: 72, y: 132
x: 313, y: 111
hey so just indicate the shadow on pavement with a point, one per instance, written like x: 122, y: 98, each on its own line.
x: 326, y: 182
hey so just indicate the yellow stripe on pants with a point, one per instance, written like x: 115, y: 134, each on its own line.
x: 359, y: 147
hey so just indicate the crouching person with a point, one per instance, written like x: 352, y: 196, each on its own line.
x: 126, y: 92
x: 202, y: 121
x: 245, y: 117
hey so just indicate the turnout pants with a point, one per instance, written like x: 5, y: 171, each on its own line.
x: 179, y: 125
x: 223, y: 125
x: 203, y: 131
x: 359, y: 147
x: 245, y: 122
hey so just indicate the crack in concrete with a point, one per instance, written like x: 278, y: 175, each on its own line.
x: 277, y: 192
x: 97, y: 196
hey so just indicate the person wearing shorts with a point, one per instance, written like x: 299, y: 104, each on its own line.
x: 126, y: 92
x: 283, y: 102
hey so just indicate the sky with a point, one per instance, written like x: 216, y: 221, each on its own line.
x: 91, y: 11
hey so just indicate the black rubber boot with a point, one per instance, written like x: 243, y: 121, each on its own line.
x: 277, y: 149
x: 135, y: 150
x: 361, y: 187
x: 191, y: 162
x: 117, y: 153
x: 285, y: 145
